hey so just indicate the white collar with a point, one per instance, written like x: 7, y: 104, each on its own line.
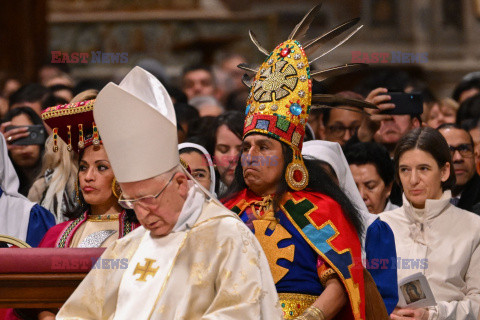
x: 433, y: 207
x: 192, y: 208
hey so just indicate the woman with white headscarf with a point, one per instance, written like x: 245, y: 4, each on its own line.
x: 200, y: 163
x: 378, y: 244
x: 19, y: 217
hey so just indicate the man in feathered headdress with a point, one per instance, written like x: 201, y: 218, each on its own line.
x: 307, y: 226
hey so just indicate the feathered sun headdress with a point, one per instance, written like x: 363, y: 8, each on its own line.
x: 281, y: 96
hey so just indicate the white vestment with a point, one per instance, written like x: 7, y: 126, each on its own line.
x: 211, y: 267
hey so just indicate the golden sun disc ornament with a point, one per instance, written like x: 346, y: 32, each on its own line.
x: 281, y: 96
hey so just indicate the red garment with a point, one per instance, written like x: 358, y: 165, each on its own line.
x: 62, y: 234
x: 67, y: 229
x: 321, y: 222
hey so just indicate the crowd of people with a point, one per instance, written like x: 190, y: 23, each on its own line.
x: 256, y: 198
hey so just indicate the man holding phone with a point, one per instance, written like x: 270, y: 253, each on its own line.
x: 397, y: 114
x: 387, y: 124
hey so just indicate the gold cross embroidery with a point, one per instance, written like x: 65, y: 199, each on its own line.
x: 145, y: 270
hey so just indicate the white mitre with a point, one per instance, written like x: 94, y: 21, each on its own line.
x: 137, y: 124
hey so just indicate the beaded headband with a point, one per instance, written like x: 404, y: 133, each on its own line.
x: 74, y: 124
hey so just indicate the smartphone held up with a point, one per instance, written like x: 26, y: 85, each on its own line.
x: 37, y: 135
x: 405, y: 103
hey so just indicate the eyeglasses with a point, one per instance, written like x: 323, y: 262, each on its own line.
x: 144, y: 201
x: 465, y: 150
x: 338, y: 131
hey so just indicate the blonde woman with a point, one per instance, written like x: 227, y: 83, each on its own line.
x: 438, y: 113
x: 54, y: 190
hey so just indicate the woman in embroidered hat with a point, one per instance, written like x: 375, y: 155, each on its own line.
x: 97, y: 220
x: 307, y: 226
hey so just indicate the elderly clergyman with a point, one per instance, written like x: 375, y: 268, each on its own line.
x: 192, y: 258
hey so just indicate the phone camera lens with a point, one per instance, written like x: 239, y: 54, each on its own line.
x: 33, y: 135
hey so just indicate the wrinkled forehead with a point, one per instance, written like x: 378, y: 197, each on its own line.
x: 255, y: 138
x: 147, y: 187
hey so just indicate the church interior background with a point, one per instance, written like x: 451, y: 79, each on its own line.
x: 176, y: 33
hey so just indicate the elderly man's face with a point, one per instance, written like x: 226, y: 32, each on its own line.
x: 159, y: 215
x: 392, y: 130
x: 262, y: 164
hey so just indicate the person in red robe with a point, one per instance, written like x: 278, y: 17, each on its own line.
x: 306, y: 225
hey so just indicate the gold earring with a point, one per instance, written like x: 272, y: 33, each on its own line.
x: 296, y: 174
x: 117, y: 191
x: 77, y: 193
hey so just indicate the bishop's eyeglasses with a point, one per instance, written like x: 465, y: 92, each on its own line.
x: 144, y: 201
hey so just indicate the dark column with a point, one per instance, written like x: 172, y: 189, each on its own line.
x: 23, y: 34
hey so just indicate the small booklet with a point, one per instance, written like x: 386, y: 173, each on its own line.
x: 414, y: 292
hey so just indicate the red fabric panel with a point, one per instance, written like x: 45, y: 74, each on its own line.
x: 48, y: 260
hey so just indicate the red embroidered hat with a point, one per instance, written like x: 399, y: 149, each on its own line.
x: 74, y: 124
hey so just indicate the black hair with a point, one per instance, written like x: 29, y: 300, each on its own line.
x: 428, y: 140
x: 343, y: 94
x: 236, y: 100
x: 469, y: 124
x: 419, y: 86
x: 185, y: 113
x: 203, y: 130
x: 32, y: 92
x: 62, y: 67
x: 371, y: 153
x: 319, y: 181
x: 81, y: 205
x: 464, y: 86
x: 58, y: 87
x: 195, y: 67
x: 469, y: 109
x: 25, y: 182
x: 393, y: 80
x: 177, y: 94
x: 87, y: 84
x: 234, y: 120
x: 29, y: 112
x: 201, y: 140
x: 309, y: 134
x: 53, y: 100
x: 190, y: 150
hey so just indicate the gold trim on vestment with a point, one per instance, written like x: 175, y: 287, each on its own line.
x: 294, y: 304
x: 169, y: 273
x: 105, y: 217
